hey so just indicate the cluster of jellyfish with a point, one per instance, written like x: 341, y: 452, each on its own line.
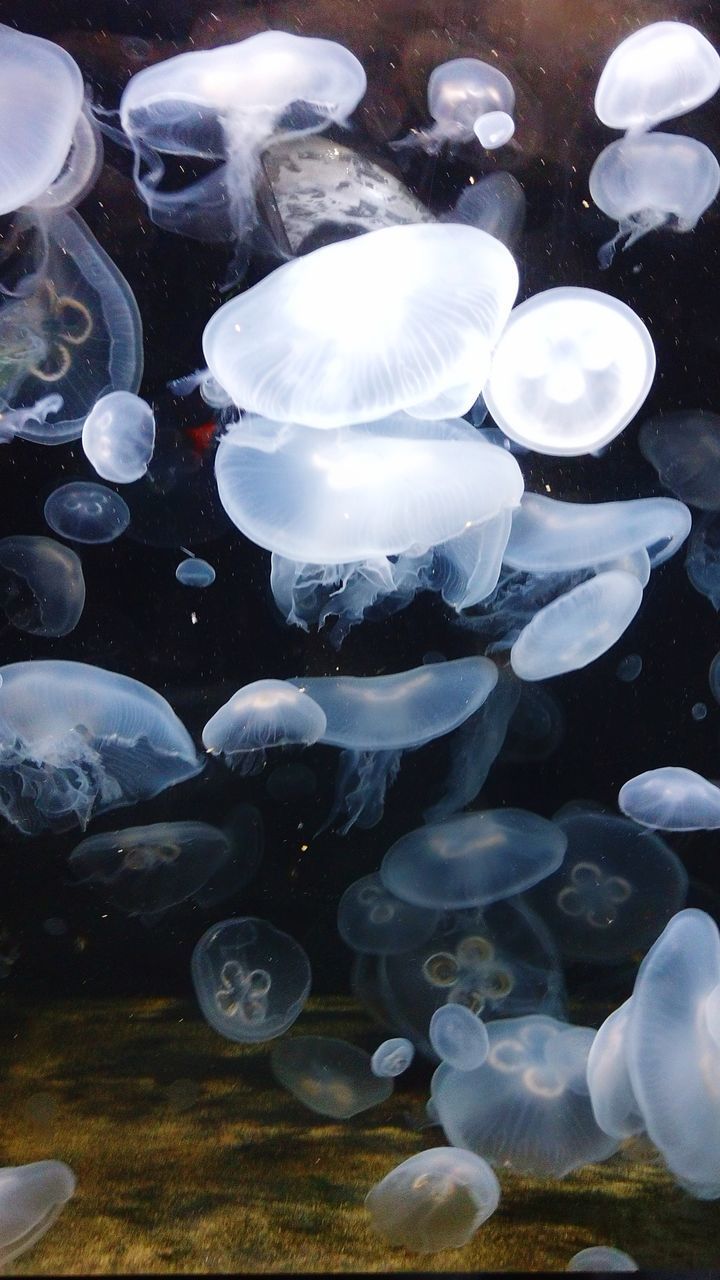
x: 351, y: 381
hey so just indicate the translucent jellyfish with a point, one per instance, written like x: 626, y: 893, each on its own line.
x: 261, y: 715
x: 661, y: 71
x: 671, y: 799
x: 699, y: 711
x: 119, y: 437
x: 652, y: 180
x: 76, y: 741
x: 329, y: 1076
x: 435, y: 1200
x: 392, y: 1058
x: 617, y: 888
x: 494, y: 129
x: 613, y: 1102
x: 86, y: 512
x: 459, y: 93
x: 526, y: 1108
x: 702, y: 563
x: 473, y: 859
x: 601, y: 1258
x: 459, y: 1037
x: 536, y: 728
x: 372, y: 920
x: 226, y: 104
x: 684, y: 449
x: 629, y: 668
x: 571, y: 370
x: 349, y: 333
x: 42, y: 588
x: 251, y: 980
x: 195, y: 572
x: 496, y: 204
x: 578, y: 627
x: 32, y: 1196
x: 375, y: 718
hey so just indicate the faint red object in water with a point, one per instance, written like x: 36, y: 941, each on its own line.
x: 202, y: 436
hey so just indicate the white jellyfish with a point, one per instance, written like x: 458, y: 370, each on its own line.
x: 195, y: 572
x: 32, y: 1196
x: 661, y: 71
x: 459, y: 1037
x: 261, y: 715
x: 601, y: 1258
x: 494, y: 129
x: 459, y: 93
x: 577, y: 627
x: 614, y: 1104
x: 392, y: 1057
x: 435, y: 1200
x: 86, y: 512
x: 684, y: 449
x: 118, y: 437
x: 42, y: 588
x: 671, y: 799
x: 329, y: 1076
x: 571, y: 370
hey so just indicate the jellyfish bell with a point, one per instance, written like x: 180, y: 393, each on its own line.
x: 601, y: 1258
x: 458, y: 1037
x: 373, y: 921
x: 32, y: 1196
x: 42, y: 588
x: 118, y: 437
x: 684, y: 449
x: 577, y: 627
x: 671, y: 799
x: 261, y: 715
x: 496, y: 204
x: 661, y: 71
x: 195, y: 572
x: 392, y: 1057
x: 494, y: 129
x: 608, y: 1076
x: 329, y: 1076
x: 435, y: 1200
x: 459, y: 92
x: 86, y: 512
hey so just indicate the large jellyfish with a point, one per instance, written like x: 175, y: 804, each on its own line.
x: 261, y: 715
x: 684, y: 449
x: 661, y: 71
x: 459, y: 94
x: 401, y: 318
x: 32, y: 1196
x: 86, y: 512
x: 577, y: 627
x: 118, y: 436
x: 375, y: 718
x: 435, y: 1200
x: 611, y: 1093
x: 672, y: 799
x: 76, y: 741
x: 572, y: 368
x: 42, y: 588
x: 329, y: 1076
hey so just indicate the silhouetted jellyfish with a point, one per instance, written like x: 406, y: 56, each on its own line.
x: 42, y: 588
x: 76, y: 741
x: 496, y: 204
x: 473, y: 859
x: 629, y: 668
x: 459, y: 93
x: 392, y: 1057
x: 659, y: 72
x: 261, y: 715
x: 671, y: 799
x: 375, y: 718
x: 85, y: 512
x: 329, y: 1076
x: 435, y: 1200
x: 526, y: 1108
x: 494, y: 129
x: 118, y: 436
x: 32, y: 1196
x: 702, y: 563
x: 350, y: 333
x: 372, y: 920
x: 684, y: 449
x: 699, y: 711
x: 577, y: 627
x: 601, y: 1258
x: 458, y: 1037
x: 251, y: 980
x: 195, y: 572
x: 614, y: 1104
x: 572, y: 368
x: 536, y: 728
x: 652, y: 180
x: 226, y: 104
x: 617, y: 888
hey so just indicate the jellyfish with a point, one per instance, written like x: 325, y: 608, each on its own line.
x: 578, y: 627
x: 473, y: 859
x: 614, y: 1104
x: 652, y: 180
x: 459, y: 1037
x: 251, y: 980
x: 684, y: 449
x: 493, y: 130
x: 496, y: 204
x: 358, y: 330
x: 435, y: 1200
x: 32, y: 1196
x: 42, y: 588
x: 261, y: 715
x: 572, y: 368
x: 601, y: 1258
x: 461, y: 92
x: 527, y: 1107
x: 329, y: 1076
x: 118, y: 437
x: 661, y: 71
x: 615, y: 891
x: 195, y: 572
x: 373, y: 719
x: 392, y: 1058
x: 671, y: 799
x: 227, y: 104
x: 86, y: 512
x: 372, y: 920
x: 629, y: 668
x: 699, y: 711
x: 77, y: 741
x: 702, y: 563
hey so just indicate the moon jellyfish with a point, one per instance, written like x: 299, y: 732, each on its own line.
x: 496, y: 204
x: 699, y: 711
x: 652, y: 180
x: 459, y: 93
x: 435, y: 1200
x: 601, y: 1258
x: 349, y: 333
x: 372, y: 920
x: 618, y: 886
x: 572, y: 368
x: 672, y: 799
x: 118, y: 437
x: 195, y: 572
x: 392, y: 1058
x: 661, y: 71
x: 473, y: 859
x: 251, y: 980
x: 578, y: 627
x: 684, y: 449
x: 77, y: 741
x: 32, y: 1196
x: 330, y: 1077
x: 459, y: 1037
x: 42, y: 588
x: 261, y: 715
x: 86, y: 512
x: 526, y: 1108
x: 494, y: 129
x: 614, y: 1104
x: 375, y: 718
x: 629, y: 668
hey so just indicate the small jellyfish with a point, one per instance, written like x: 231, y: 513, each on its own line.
x: 699, y: 711
x: 578, y: 627
x: 118, y: 437
x: 32, y: 1196
x: 493, y: 130
x: 435, y: 1200
x: 661, y: 71
x: 42, y: 588
x: 684, y: 449
x: 459, y: 93
x: 671, y: 799
x: 373, y: 921
x: 195, y: 572
x: 601, y: 1258
x: 459, y: 1037
x: 251, y: 980
x: 629, y: 668
x: 329, y: 1076
x: 392, y: 1057
x: 496, y: 204
x: 85, y: 512
x: 261, y: 715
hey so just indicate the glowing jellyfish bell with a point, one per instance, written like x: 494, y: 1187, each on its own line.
x: 459, y: 1037
x: 329, y: 1076
x: 86, y: 512
x: 392, y: 1057
x: 671, y: 799
x: 42, y: 588
x: 601, y: 1258
x: 32, y: 1196
x: 459, y: 93
x: 435, y: 1200
x: 195, y: 572
x: 118, y: 437
x: 661, y: 71
x: 261, y: 715
x: 401, y: 318
x: 571, y: 370
x: 494, y: 129
x: 577, y: 627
